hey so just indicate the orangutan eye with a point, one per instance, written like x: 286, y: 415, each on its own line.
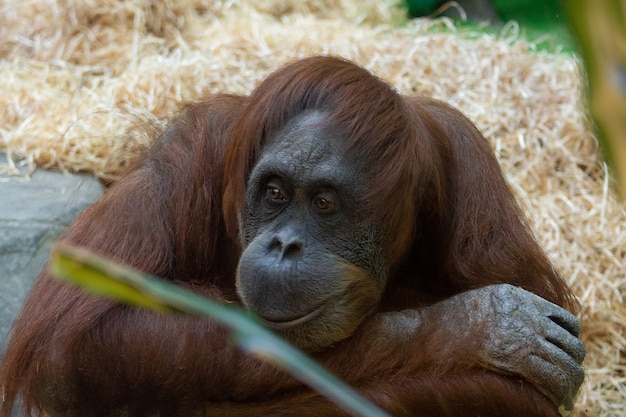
x: 274, y: 194
x: 324, y: 204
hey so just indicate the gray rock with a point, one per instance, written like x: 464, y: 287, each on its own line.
x: 33, y: 212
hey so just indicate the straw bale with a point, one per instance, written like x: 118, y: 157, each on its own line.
x: 86, y: 83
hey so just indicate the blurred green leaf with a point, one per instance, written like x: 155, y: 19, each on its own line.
x: 600, y: 28
x: 106, y: 278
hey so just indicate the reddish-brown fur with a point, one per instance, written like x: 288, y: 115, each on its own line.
x: 453, y: 224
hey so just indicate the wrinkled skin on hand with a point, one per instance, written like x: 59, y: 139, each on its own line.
x: 521, y: 334
x: 533, y: 338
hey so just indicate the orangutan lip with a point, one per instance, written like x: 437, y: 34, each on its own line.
x: 290, y: 324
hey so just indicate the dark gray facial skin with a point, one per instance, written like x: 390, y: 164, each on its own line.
x: 307, y: 244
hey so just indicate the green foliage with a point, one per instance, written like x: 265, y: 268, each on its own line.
x: 541, y: 22
x: 105, y: 278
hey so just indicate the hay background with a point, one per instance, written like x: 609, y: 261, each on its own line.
x: 79, y: 79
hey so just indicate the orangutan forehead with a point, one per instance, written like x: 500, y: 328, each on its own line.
x: 306, y: 140
x: 307, y: 149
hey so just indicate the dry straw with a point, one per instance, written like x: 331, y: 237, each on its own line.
x: 80, y: 77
